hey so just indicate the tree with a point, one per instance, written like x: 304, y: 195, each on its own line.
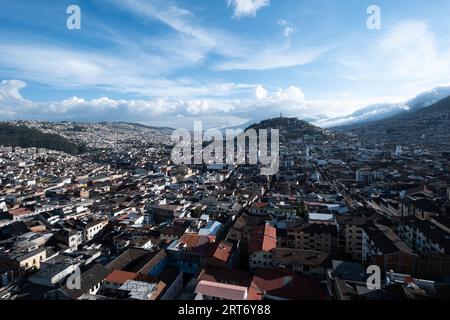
x: 12, y: 135
x: 197, y: 212
x: 302, y: 209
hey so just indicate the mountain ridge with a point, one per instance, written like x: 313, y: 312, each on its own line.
x: 381, y: 111
x: 19, y: 135
x: 429, y: 125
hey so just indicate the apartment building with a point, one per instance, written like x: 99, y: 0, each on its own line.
x: 315, y: 237
x: 424, y: 236
x: 92, y: 229
x: 262, y: 240
x: 382, y: 247
x: 350, y: 229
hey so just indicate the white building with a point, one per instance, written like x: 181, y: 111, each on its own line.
x: 93, y: 228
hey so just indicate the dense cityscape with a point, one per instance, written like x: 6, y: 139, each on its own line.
x: 122, y: 222
x: 229, y: 158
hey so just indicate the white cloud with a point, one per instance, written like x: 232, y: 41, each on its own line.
x: 412, y: 53
x: 408, y: 55
x: 195, y: 42
x: 145, y: 65
x: 214, y: 112
x: 291, y: 94
x: 203, y: 106
x: 380, y: 111
x: 72, y: 69
x: 14, y: 107
x: 249, y: 8
x: 11, y: 100
x: 191, y: 37
x: 272, y: 58
x: 260, y: 92
x: 288, y: 31
x: 171, y: 15
x: 10, y: 90
x: 287, y: 28
x: 261, y: 104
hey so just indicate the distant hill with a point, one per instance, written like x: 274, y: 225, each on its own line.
x: 290, y: 128
x: 17, y: 135
x: 145, y: 126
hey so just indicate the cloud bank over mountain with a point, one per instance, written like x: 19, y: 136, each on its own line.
x: 386, y: 110
x: 214, y: 112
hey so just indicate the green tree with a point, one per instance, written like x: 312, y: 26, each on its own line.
x: 302, y: 209
x: 197, y: 212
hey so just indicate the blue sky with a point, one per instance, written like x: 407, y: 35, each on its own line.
x: 226, y: 62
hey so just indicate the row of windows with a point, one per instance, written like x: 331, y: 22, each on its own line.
x: 265, y: 256
x: 96, y: 228
x: 261, y: 263
x: 27, y: 265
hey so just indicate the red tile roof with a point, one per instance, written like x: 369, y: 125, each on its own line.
x: 195, y: 243
x: 254, y: 294
x: 19, y: 212
x: 222, y: 252
x: 260, y: 205
x: 194, y: 240
x: 224, y: 275
x: 263, y: 238
x: 121, y: 277
x: 286, y: 285
x: 220, y: 290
